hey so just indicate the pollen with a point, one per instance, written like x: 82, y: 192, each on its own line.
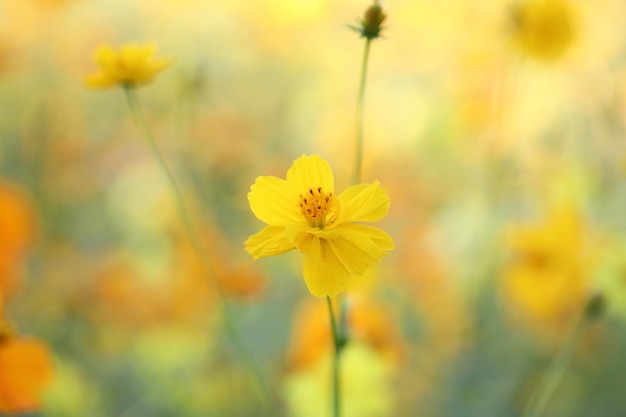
x: 318, y: 207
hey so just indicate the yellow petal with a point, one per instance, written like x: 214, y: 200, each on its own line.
x: 381, y: 239
x: 269, y: 241
x: 108, y: 60
x: 358, y: 247
x: 324, y: 273
x: 136, y: 56
x: 99, y: 80
x: 153, y: 67
x: 275, y: 202
x: 298, y: 236
x: 133, y: 64
x: 105, y: 56
x: 308, y: 172
x: 364, y: 203
x: 357, y: 254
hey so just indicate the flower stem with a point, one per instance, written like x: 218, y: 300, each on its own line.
x: 225, y: 309
x: 340, y: 338
x: 356, y: 178
x: 556, y: 369
x: 338, y: 344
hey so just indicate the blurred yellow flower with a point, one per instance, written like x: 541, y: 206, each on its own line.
x: 131, y: 66
x: 18, y: 227
x: 547, y: 279
x: 303, y: 212
x: 543, y: 29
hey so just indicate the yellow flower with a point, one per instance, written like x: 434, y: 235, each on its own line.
x: 543, y: 29
x: 548, y: 277
x: 133, y: 65
x: 303, y: 212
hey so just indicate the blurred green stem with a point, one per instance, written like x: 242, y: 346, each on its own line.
x: 556, y: 369
x: 356, y: 178
x: 225, y: 309
x: 338, y: 342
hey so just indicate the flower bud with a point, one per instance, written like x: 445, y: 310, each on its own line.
x: 371, y: 24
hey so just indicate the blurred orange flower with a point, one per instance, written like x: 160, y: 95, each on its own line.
x: 17, y: 219
x: 547, y: 278
x: 17, y: 231
x: 132, y: 65
x: 25, y: 370
x: 369, y: 361
x: 179, y: 292
x: 368, y: 323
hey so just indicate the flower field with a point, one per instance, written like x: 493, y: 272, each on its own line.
x: 308, y: 208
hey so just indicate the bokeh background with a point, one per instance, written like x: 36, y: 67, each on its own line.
x: 498, y: 129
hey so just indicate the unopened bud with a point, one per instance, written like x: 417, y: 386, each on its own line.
x: 372, y: 23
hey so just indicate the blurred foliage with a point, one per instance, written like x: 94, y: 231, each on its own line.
x: 498, y: 129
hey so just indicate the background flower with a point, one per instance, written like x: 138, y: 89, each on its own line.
x: 548, y: 277
x: 543, y: 29
x: 25, y: 370
x: 132, y: 65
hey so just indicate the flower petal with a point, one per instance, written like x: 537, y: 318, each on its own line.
x: 275, y: 202
x: 133, y: 64
x: 357, y: 255
x: 358, y: 247
x: 310, y: 171
x: 324, y: 273
x: 334, y: 257
x: 298, y: 236
x: 364, y: 203
x: 105, y: 56
x: 108, y: 60
x: 152, y: 68
x: 99, y: 80
x: 135, y: 57
x: 269, y: 241
x: 381, y: 239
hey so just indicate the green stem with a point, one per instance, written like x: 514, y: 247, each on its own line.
x: 338, y: 345
x: 225, y: 309
x: 340, y: 338
x: 556, y: 370
x: 356, y: 178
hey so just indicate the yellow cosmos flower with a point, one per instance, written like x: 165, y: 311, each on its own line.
x: 548, y: 277
x: 133, y: 65
x: 543, y: 29
x: 303, y: 212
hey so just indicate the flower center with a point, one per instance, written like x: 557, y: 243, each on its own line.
x: 318, y: 207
